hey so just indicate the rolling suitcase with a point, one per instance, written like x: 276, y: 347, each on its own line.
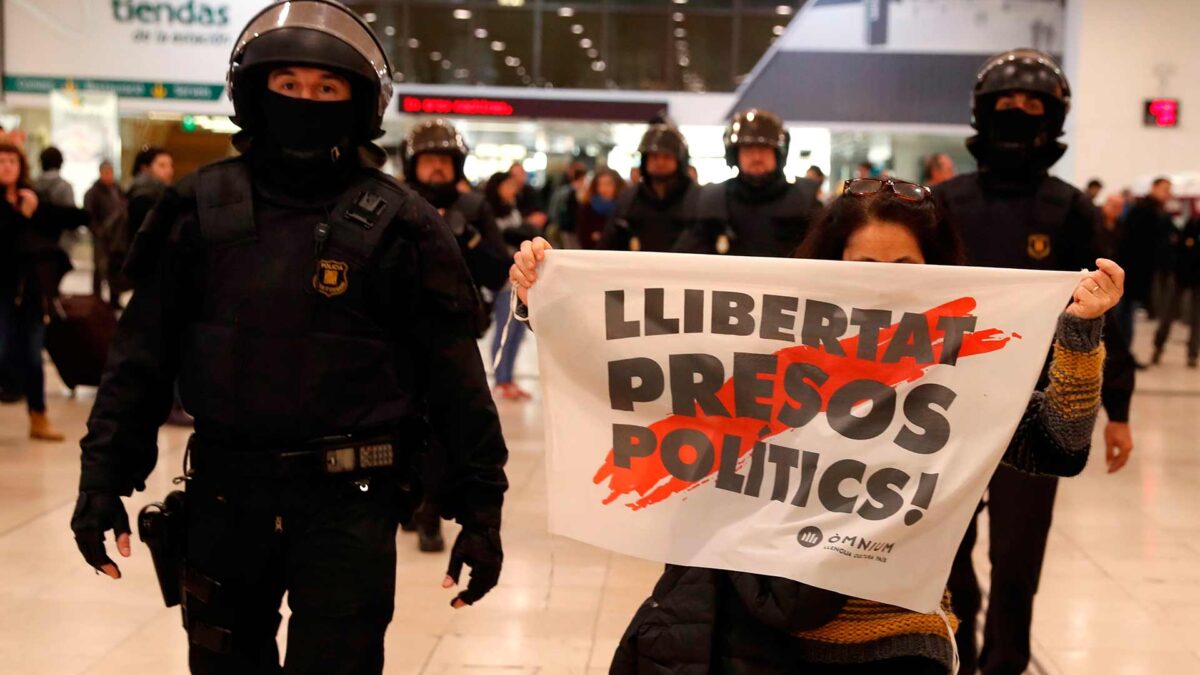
x: 78, y: 338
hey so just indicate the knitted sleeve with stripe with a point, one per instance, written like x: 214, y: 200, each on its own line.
x: 1055, y: 434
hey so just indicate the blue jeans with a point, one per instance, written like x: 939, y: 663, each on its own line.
x: 516, y: 333
x: 22, y: 338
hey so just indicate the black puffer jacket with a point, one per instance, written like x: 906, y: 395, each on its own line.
x: 700, y: 621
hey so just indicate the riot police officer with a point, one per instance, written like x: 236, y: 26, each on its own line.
x: 1012, y: 213
x: 321, y: 323
x: 758, y: 212
x: 434, y: 154
x: 651, y: 215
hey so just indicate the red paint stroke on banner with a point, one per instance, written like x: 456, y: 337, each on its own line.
x: 645, y: 473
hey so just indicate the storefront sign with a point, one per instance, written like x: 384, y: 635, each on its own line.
x: 141, y: 49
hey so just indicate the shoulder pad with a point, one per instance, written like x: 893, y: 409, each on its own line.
x: 224, y: 203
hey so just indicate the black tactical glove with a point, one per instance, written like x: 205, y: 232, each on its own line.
x: 96, y: 513
x: 479, y: 548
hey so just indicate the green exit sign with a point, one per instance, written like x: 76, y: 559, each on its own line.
x: 188, y: 123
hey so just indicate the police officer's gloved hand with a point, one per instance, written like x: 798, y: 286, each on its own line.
x: 479, y: 548
x: 96, y: 513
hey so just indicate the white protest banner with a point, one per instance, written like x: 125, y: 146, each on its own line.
x: 830, y: 422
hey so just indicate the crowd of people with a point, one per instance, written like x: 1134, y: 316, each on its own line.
x: 315, y: 334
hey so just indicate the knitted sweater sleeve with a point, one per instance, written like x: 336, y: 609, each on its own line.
x: 1055, y: 434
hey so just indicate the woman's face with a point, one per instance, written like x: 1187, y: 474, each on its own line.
x: 10, y: 169
x: 881, y: 241
x: 606, y: 187
x: 508, y: 191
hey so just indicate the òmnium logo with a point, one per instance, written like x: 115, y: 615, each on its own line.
x: 187, y: 13
x: 810, y: 537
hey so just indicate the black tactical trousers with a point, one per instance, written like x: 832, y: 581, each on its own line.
x: 325, y: 542
x: 1019, y: 507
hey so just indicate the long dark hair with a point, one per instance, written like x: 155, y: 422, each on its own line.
x: 826, y: 240
x: 491, y: 193
x: 7, y: 148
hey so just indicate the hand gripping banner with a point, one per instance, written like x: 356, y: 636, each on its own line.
x: 830, y: 422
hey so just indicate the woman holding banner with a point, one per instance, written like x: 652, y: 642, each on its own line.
x: 712, y: 621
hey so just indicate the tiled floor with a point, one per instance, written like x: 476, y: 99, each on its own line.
x: 1120, y: 593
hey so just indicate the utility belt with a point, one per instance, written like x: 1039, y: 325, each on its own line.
x: 339, y: 456
x: 163, y: 525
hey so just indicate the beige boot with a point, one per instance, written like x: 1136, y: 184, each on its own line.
x: 41, y: 429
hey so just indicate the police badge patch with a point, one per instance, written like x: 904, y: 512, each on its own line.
x: 332, y: 278
x: 1039, y: 246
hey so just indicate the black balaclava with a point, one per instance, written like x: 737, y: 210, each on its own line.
x: 304, y: 147
x: 1016, y: 144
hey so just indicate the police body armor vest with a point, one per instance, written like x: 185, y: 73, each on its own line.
x: 299, y: 331
x: 728, y: 235
x: 1041, y: 237
x: 642, y: 226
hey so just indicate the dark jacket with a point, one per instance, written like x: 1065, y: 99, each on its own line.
x: 1146, y: 247
x: 644, y: 221
x: 144, y: 193
x: 738, y: 218
x: 33, y: 264
x: 1187, y: 256
x: 273, y: 342
x: 105, y: 205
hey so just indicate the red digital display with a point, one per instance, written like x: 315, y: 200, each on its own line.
x: 613, y: 110
x: 432, y: 105
x: 1162, y: 112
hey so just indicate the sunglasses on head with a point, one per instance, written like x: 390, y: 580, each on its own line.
x: 865, y: 187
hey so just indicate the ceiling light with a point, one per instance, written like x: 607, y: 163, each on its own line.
x: 497, y: 46
x: 521, y: 70
x: 677, y: 16
x: 566, y: 12
x: 435, y: 56
x: 680, y: 32
x: 778, y: 30
x: 585, y: 43
x: 389, y: 31
x: 462, y: 73
x: 446, y: 64
x: 681, y: 2
x: 577, y: 29
x: 783, y: 10
x: 599, y: 66
x: 370, y: 17
x: 462, y: 14
x: 413, y: 43
x: 593, y: 53
x: 481, y: 33
x: 512, y: 61
x: 684, y: 61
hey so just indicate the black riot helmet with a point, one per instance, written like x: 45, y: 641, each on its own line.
x: 433, y: 136
x: 756, y: 127
x: 317, y: 33
x: 667, y: 139
x: 1012, y: 139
